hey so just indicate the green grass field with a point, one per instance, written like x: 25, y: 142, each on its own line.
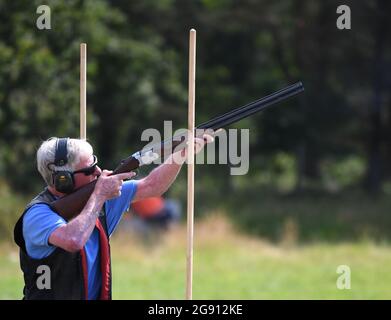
x: 232, y: 266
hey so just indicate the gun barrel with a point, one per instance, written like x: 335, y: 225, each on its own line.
x: 253, y: 107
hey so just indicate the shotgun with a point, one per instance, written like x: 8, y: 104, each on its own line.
x: 72, y: 204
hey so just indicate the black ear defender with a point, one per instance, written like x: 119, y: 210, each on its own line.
x: 63, y: 180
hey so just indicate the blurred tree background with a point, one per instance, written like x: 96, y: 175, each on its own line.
x: 321, y: 160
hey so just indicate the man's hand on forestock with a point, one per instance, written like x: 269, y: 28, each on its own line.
x: 199, y: 144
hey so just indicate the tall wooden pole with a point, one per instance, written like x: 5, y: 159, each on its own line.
x: 190, y: 165
x: 83, y: 91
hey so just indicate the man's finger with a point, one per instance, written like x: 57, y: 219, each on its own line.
x: 105, y: 173
x: 125, y: 175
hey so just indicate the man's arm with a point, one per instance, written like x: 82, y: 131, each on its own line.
x: 73, y: 235
x: 161, y: 178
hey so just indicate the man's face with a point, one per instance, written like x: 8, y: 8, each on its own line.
x: 80, y: 178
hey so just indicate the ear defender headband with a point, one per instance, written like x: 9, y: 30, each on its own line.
x: 63, y: 180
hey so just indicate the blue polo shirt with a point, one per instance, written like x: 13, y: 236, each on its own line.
x: 40, y: 221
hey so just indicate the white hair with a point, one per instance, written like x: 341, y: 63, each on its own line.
x: 77, y: 149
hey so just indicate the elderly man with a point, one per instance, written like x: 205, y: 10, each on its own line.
x: 71, y: 259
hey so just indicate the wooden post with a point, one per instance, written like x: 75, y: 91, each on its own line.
x: 190, y: 165
x: 83, y: 91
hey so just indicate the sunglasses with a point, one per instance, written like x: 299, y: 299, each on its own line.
x: 88, y: 170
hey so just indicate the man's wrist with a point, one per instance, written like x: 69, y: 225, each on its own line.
x: 178, y: 158
x: 97, y: 199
